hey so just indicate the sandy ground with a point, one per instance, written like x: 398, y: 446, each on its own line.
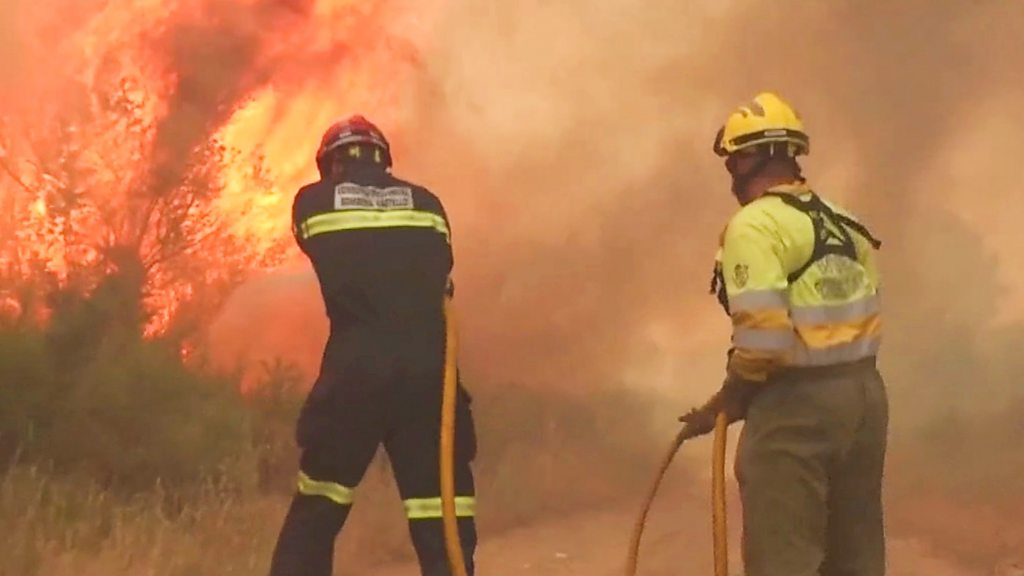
x: 595, y: 543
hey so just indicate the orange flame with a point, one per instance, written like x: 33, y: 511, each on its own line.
x: 173, y: 133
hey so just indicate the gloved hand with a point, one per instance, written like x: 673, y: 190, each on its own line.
x: 700, y: 421
x: 733, y: 398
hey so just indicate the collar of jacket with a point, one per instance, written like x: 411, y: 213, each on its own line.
x: 797, y: 188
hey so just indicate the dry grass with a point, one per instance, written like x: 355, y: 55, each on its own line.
x: 538, y: 457
x: 542, y: 453
x: 56, y: 526
x: 533, y: 464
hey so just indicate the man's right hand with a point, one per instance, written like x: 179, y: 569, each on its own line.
x: 733, y: 398
x: 700, y: 421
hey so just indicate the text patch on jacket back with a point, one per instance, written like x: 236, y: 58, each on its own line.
x: 349, y: 196
x: 380, y: 247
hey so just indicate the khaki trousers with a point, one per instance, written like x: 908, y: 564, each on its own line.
x: 809, y: 466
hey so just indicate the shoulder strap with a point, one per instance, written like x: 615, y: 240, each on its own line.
x: 816, y: 202
x: 859, y: 229
x: 828, y: 229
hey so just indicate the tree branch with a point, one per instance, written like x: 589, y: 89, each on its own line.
x: 14, y: 176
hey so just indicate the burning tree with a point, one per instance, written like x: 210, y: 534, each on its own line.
x: 133, y: 136
x: 100, y: 199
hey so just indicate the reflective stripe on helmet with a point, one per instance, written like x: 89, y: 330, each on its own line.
x: 774, y: 135
x: 353, y: 130
x: 355, y: 137
x: 767, y: 119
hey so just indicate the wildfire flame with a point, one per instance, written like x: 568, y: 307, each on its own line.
x: 165, y: 138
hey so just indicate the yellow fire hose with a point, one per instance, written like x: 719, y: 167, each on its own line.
x: 447, y: 461
x: 718, y: 522
x: 717, y: 497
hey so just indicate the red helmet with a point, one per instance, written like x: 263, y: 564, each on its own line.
x: 353, y: 130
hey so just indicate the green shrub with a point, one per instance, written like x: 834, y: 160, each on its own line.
x: 274, y: 404
x: 136, y: 415
x: 27, y: 391
x: 130, y: 415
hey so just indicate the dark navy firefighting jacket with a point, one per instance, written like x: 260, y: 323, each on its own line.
x: 381, y: 249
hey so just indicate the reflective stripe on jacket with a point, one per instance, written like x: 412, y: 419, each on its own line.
x: 801, y: 284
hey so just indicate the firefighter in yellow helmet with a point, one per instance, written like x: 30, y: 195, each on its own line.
x: 797, y: 276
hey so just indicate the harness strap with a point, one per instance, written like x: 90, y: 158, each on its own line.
x: 821, y: 215
x: 827, y: 223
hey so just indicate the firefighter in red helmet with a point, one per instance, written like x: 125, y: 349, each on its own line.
x: 381, y: 250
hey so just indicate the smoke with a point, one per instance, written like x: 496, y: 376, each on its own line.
x: 221, y: 54
x: 214, y: 59
x: 571, y: 144
x: 10, y: 46
x: 22, y: 57
x: 583, y: 251
x: 593, y: 202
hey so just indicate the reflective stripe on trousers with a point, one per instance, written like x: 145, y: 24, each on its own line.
x: 333, y: 491
x: 431, y: 508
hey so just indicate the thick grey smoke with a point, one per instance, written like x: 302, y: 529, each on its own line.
x: 571, y: 142
x: 591, y: 203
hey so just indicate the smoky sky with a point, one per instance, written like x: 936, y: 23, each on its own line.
x: 572, y: 143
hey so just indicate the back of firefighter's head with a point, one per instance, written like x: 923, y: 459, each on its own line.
x: 760, y: 142
x: 352, y: 142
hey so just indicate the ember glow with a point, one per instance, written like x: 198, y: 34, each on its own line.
x: 169, y: 135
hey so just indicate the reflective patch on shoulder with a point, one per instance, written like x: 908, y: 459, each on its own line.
x: 840, y: 278
x: 740, y: 275
x: 349, y: 196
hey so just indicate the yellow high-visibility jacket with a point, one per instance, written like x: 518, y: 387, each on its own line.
x: 797, y: 276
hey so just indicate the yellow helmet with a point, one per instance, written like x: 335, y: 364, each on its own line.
x: 765, y: 120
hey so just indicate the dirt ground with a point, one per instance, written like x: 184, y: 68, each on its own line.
x: 678, y: 541
x: 594, y: 544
